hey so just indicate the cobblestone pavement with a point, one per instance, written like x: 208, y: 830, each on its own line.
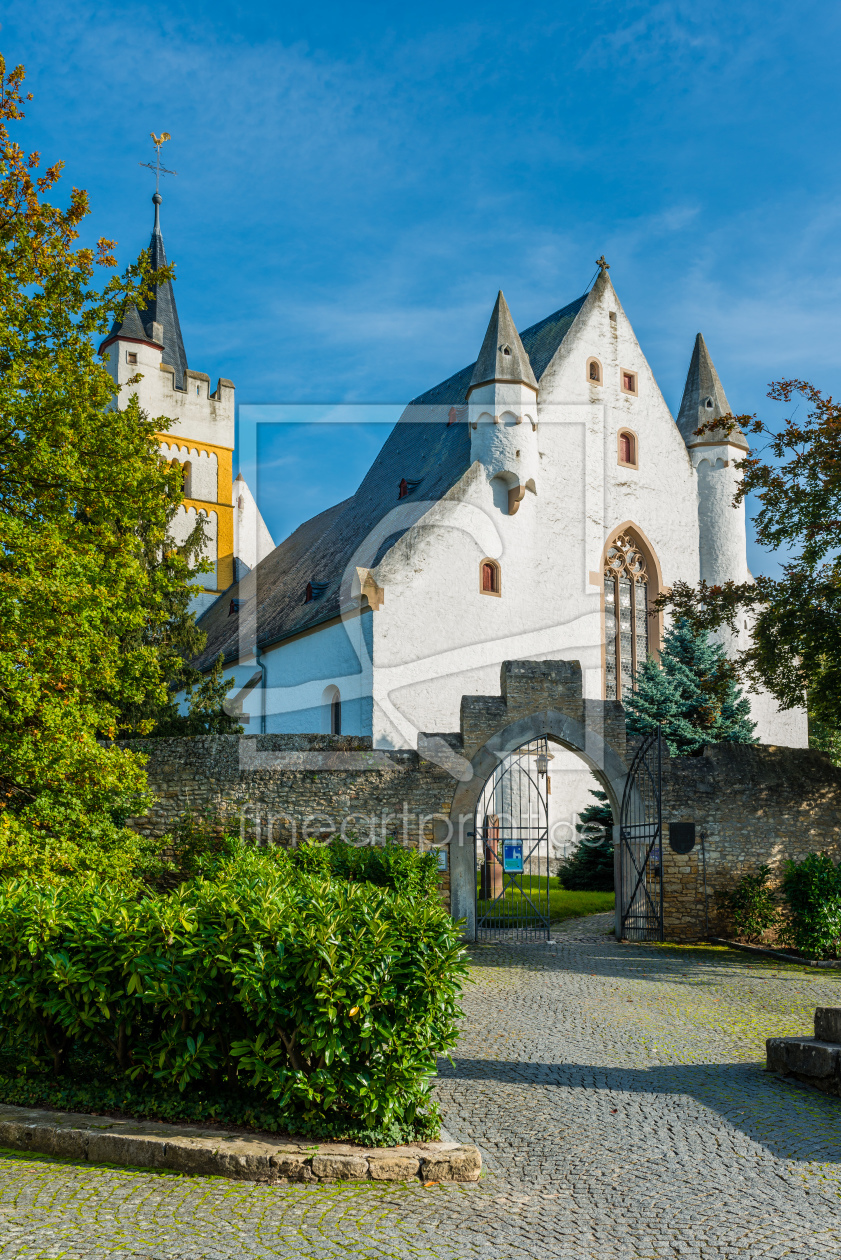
x: 617, y: 1095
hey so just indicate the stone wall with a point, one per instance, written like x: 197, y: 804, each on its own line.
x: 753, y: 805
x: 289, y: 787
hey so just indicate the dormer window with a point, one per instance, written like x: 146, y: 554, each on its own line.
x: 709, y: 404
x: 506, y: 350
x: 314, y: 590
x: 403, y: 488
x: 131, y: 356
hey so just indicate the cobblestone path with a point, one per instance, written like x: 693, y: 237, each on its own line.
x: 616, y: 1093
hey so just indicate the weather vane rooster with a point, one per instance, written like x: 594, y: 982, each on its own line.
x: 159, y: 170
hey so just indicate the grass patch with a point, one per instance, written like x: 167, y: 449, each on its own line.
x: 563, y: 904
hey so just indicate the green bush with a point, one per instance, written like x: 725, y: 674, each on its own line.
x: 387, y: 866
x: 751, y: 905
x: 812, y: 890
x: 330, y: 998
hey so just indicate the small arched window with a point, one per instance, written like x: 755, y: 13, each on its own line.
x: 187, y: 474
x: 332, y: 707
x: 594, y: 372
x: 628, y: 449
x: 489, y: 578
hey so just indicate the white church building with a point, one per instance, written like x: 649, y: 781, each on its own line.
x: 531, y: 506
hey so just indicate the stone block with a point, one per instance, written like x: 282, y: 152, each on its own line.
x: 340, y: 1167
x: 294, y: 1165
x: 828, y: 1023
x: 462, y: 1163
x: 69, y: 1143
x: 193, y: 1155
x: 393, y: 1167
x: 804, y: 1057
x: 126, y: 1149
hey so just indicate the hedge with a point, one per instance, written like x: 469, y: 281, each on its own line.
x: 328, y: 997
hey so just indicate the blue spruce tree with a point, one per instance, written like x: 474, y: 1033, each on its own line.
x: 692, y: 693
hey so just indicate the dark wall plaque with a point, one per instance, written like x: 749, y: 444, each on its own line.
x: 682, y: 837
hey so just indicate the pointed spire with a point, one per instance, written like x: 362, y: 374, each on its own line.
x: 703, y: 400
x: 503, y: 356
x: 161, y: 309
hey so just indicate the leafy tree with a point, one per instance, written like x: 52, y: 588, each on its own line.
x: 796, y: 476
x: 691, y: 692
x: 589, y: 868
x: 90, y: 582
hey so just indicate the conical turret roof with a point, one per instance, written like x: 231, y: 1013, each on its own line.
x: 703, y: 400
x: 503, y: 356
x: 161, y: 309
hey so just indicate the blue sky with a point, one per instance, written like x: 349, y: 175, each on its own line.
x: 355, y: 182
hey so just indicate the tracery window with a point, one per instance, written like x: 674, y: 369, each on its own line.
x: 626, y: 600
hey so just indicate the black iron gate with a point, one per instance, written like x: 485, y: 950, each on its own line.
x: 512, y: 847
x: 641, y: 846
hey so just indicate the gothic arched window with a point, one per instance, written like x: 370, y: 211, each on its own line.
x: 187, y: 474
x: 627, y: 597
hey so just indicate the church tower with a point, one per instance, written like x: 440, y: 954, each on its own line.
x: 195, y: 426
x: 722, y: 535
x: 502, y: 407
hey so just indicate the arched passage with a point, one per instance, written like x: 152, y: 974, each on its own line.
x: 604, y: 762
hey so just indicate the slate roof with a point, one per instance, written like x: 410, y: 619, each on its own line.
x: 433, y: 453
x: 161, y: 309
x: 703, y: 400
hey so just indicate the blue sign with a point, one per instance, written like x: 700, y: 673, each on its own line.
x: 512, y: 855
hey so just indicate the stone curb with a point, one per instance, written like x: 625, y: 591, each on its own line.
x: 777, y: 953
x: 217, y: 1153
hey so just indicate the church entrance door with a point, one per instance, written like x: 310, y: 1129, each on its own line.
x: 512, y: 847
x: 640, y: 864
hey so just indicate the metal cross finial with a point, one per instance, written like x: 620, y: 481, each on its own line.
x: 157, y: 168
x: 602, y: 264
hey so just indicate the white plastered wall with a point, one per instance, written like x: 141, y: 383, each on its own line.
x: 252, y: 540
x: 204, y: 470
x: 437, y: 636
x: 192, y: 414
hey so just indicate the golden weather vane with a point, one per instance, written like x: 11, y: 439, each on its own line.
x: 157, y: 168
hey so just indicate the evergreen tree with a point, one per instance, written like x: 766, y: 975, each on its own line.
x: 589, y: 868
x: 692, y: 693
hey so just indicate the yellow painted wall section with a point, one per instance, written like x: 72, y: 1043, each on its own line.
x: 223, y: 506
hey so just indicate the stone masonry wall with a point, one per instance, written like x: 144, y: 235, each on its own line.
x: 753, y: 805
x: 288, y: 787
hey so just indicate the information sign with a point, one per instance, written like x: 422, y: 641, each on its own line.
x: 512, y: 855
